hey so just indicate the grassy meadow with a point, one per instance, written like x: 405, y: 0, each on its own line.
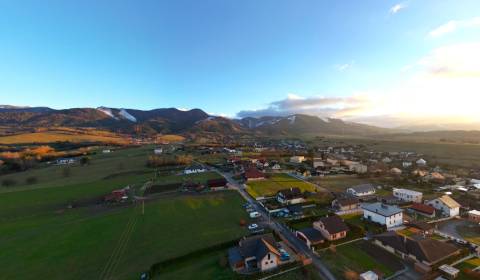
x: 276, y: 182
x: 96, y: 241
x: 120, y: 243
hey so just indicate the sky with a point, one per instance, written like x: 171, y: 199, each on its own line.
x: 387, y: 63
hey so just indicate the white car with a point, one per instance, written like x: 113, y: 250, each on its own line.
x: 253, y: 227
x: 254, y: 214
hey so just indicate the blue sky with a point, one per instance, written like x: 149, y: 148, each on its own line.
x: 226, y: 56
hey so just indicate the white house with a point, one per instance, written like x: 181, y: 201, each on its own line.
x: 359, y: 168
x: 447, y: 205
x: 421, y: 162
x: 194, y: 169
x: 318, y: 162
x: 297, y: 159
x: 158, y: 151
x: 386, y: 160
x: 106, y: 151
x: 369, y: 275
x: 388, y: 215
x: 65, y: 161
x: 407, y: 164
x: 361, y: 190
x: 408, y: 195
x: 276, y: 166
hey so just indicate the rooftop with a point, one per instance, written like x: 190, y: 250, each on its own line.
x: 382, y: 209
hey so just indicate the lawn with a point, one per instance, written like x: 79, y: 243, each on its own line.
x: 276, y: 182
x: 469, y: 264
x: 206, y: 266
x: 470, y: 232
x: 354, y: 256
x: 120, y: 243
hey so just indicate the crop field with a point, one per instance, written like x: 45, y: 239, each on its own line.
x: 276, y: 182
x: 60, y: 136
x: 116, y: 244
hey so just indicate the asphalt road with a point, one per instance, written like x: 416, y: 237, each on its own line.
x: 281, y: 229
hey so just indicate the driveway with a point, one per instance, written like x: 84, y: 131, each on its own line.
x: 450, y: 227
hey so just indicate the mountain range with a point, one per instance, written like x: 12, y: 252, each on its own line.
x: 185, y: 122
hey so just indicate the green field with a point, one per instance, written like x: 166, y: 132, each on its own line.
x: 58, y: 228
x: 122, y: 163
x: 469, y: 264
x: 276, y: 182
x: 354, y: 257
x: 121, y: 243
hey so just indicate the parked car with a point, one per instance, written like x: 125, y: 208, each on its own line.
x: 284, y: 255
x: 253, y: 227
x: 254, y: 214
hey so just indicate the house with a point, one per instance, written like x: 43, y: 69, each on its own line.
x: 407, y: 164
x: 421, y: 162
x: 362, y: 190
x: 310, y: 236
x: 369, y: 275
x: 447, y: 205
x: 395, y: 171
x: 253, y: 174
x: 332, y: 227
x: 474, y: 216
x: 386, y: 160
x: 290, y: 196
x: 297, y: 159
x: 358, y: 168
x: 388, y: 215
x: 255, y: 253
x: 194, y: 169
x: 65, y: 161
x: 318, y: 162
x: 215, y: 184
x: 106, y: 151
x: 426, y: 252
x: 276, y: 166
x: 346, y: 204
x: 422, y: 209
x: 408, y: 195
x: 117, y: 195
x: 158, y: 151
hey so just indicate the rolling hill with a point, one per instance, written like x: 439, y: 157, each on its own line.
x: 196, y: 123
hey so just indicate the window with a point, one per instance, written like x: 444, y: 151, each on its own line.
x: 268, y: 257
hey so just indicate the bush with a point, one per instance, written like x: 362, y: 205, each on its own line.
x: 9, y: 182
x: 31, y: 180
x: 66, y: 172
x: 85, y: 160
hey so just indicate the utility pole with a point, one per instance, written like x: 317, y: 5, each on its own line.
x: 143, y: 206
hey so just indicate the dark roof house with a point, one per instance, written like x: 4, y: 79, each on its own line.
x: 426, y: 250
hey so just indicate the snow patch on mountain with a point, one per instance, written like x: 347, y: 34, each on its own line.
x: 325, y: 119
x: 292, y: 119
x: 127, y: 116
x: 107, y: 111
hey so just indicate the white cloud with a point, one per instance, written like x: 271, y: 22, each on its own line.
x: 397, y: 8
x: 454, y: 25
x: 345, y: 66
x: 443, y: 88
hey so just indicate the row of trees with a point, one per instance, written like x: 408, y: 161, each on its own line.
x: 159, y: 161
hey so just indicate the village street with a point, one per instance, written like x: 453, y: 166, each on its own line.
x: 281, y: 229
